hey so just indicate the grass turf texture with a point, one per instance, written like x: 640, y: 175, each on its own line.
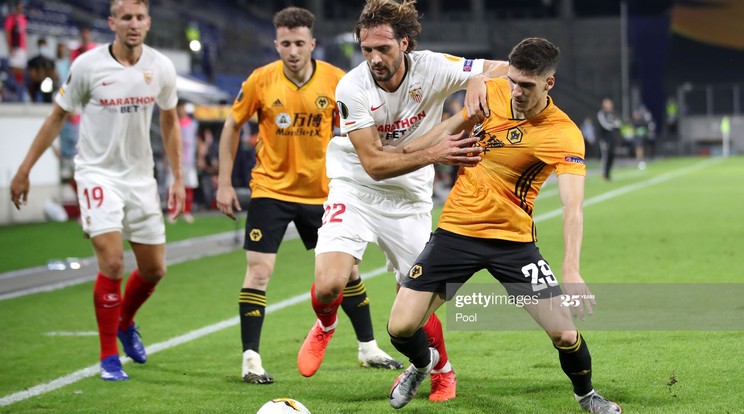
x: 32, y: 244
x: 685, y: 229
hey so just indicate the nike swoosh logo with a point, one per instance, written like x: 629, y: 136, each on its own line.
x: 107, y: 83
x: 374, y: 108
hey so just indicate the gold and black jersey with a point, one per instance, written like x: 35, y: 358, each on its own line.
x: 496, y: 198
x: 295, y: 125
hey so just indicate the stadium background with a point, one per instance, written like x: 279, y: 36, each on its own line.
x: 634, y: 51
x: 674, y: 48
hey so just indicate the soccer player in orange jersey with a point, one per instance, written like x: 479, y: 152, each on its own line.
x: 487, y: 223
x: 294, y: 99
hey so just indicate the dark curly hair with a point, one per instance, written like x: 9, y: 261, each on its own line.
x: 292, y: 17
x: 402, y: 17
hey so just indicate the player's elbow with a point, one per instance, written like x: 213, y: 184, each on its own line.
x: 376, y: 174
x: 374, y: 168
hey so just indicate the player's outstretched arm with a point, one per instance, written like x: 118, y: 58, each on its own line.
x: 48, y: 132
x: 571, y: 190
x: 229, y: 139
x: 171, y: 132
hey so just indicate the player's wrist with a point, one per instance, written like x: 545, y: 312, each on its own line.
x: 23, y: 171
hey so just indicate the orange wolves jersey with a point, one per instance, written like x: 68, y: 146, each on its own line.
x: 494, y: 200
x: 295, y: 125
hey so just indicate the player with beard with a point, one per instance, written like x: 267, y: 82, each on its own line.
x: 379, y: 194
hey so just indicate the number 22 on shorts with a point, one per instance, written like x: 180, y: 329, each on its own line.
x: 333, y: 213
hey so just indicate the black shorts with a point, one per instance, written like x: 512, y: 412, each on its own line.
x: 450, y: 258
x: 268, y: 220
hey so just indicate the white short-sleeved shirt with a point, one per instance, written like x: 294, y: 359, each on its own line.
x: 117, y: 103
x: 400, y: 117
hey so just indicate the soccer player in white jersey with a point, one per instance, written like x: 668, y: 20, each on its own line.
x: 379, y: 194
x: 117, y: 86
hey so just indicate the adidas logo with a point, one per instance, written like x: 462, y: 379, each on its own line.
x: 255, y: 313
x: 277, y: 103
x: 365, y: 302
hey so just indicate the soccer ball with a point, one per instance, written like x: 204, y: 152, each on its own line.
x: 283, y: 406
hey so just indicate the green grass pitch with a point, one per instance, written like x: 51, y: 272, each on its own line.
x: 680, y: 220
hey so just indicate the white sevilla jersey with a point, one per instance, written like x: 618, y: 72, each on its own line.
x: 117, y: 103
x: 400, y: 116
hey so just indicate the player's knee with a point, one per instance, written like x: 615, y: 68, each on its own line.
x: 112, y: 267
x: 563, y: 338
x: 327, y: 290
x: 257, y: 277
x: 401, y: 328
x: 153, y: 274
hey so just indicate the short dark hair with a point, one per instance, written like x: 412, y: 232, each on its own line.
x: 402, y: 17
x: 536, y: 56
x: 292, y: 17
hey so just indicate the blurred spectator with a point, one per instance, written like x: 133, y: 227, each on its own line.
x: 672, y: 118
x: 609, y: 125
x: 15, y: 35
x: 42, y: 74
x: 643, y: 134
x: 86, y: 43
x: 62, y: 63
x: 590, y: 136
x: 245, y: 156
x: 189, y: 130
x: 446, y: 175
x: 208, y: 165
x: 627, y: 134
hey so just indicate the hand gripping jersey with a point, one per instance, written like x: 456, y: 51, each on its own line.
x: 495, y: 199
x: 399, y: 117
x: 295, y: 126
x: 117, y: 103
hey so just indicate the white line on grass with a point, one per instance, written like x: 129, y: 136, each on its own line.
x: 154, y: 348
x: 71, y: 333
x: 632, y: 187
x: 198, y: 333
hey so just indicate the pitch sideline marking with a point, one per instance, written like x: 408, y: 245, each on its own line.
x: 198, y: 333
x: 160, y: 346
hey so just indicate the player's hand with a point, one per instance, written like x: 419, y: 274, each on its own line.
x: 459, y: 149
x: 19, y: 187
x: 476, y: 100
x: 176, y: 198
x: 227, y: 198
x: 578, y: 297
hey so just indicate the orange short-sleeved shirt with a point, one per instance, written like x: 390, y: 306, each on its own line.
x: 295, y: 125
x: 495, y: 199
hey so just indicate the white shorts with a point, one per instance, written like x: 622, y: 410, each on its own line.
x: 18, y: 58
x: 131, y: 208
x: 354, y: 218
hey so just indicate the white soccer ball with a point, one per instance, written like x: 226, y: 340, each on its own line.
x: 283, y: 406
